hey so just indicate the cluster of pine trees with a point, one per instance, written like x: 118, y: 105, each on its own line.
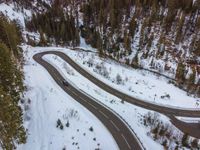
x: 55, y: 25
x: 112, y: 25
x: 11, y: 85
x: 109, y: 18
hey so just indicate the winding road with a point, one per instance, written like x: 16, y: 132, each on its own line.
x: 123, y: 135
x: 144, y: 104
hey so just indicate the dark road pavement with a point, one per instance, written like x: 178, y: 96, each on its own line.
x: 122, y: 134
x: 125, y: 97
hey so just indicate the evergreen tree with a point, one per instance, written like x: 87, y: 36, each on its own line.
x: 197, y: 48
x: 55, y: 24
x: 9, y: 35
x: 135, y: 61
x: 42, y: 39
x: 192, y: 77
x: 194, y: 143
x: 185, y: 140
x: 10, y: 122
x: 179, y: 29
x: 9, y: 75
x: 127, y: 43
x: 180, y: 72
x: 11, y: 86
x: 132, y: 26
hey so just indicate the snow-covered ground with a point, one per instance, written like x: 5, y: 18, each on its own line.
x: 133, y: 115
x: 85, y: 46
x: 11, y: 12
x: 45, y: 102
x: 137, y: 83
x: 130, y: 113
x: 189, y: 119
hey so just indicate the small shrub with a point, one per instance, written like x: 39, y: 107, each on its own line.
x: 118, y: 79
x: 61, y: 127
x: 59, y: 124
x: 67, y: 124
x: 91, y: 129
x: 185, y: 140
x: 194, y: 143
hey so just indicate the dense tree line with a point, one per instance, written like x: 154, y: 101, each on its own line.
x: 11, y: 86
x: 114, y: 26
x: 55, y: 26
x: 111, y: 25
x: 100, y: 17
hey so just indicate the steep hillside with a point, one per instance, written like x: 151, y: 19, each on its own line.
x: 159, y: 35
x: 11, y: 86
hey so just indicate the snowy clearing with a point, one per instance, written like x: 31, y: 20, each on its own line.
x: 11, y: 12
x: 133, y: 115
x: 45, y: 102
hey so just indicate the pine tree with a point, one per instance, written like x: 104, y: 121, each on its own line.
x: 9, y: 35
x: 127, y: 43
x: 197, y: 48
x: 154, y: 14
x: 171, y: 4
x: 194, y: 143
x: 162, y: 131
x: 155, y: 131
x: 11, y: 86
x: 10, y: 122
x: 180, y: 72
x: 179, y: 29
x: 132, y: 26
x: 42, y: 39
x: 185, y: 140
x: 192, y: 77
x: 135, y: 61
x: 6, y: 68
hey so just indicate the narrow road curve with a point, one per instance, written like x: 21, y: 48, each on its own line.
x: 192, y: 129
x: 123, y: 136
x: 170, y: 112
x: 144, y: 104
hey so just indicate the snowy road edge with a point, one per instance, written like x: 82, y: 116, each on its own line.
x: 167, y: 106
x: 96, y: 100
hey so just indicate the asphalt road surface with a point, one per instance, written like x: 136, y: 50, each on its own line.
x: 144, y: 104
x: 124, y: 137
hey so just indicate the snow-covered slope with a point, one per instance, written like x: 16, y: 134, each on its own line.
x: 12, y: 13
x: 115, y: 104
x: 131, y: 114
x: 140, y: 84
x: 45, y: 103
